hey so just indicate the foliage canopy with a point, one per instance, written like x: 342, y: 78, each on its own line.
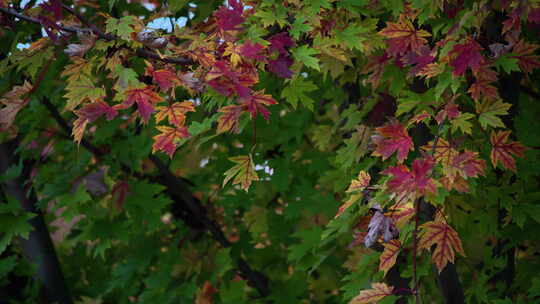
x: 317, y: 151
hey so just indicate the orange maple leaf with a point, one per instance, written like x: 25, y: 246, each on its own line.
x: 502, y: 150
x: 13, y: 103
x: 167, y: 140
x: 145, y: 99
x: 447, y: 241
x: 373, y: 295
x: 228, y: 121
x: 360, y: 183
x: 389, y: 255
x: 175, y: 113
x: 403, y: 36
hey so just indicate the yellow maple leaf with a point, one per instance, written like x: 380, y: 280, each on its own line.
x: 360, y: 183
x: 373, y: 295
x: 243, y: 172
x: 389, y: 255
x: 447, y: 240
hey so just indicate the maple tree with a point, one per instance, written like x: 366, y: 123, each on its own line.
x: 249, y: 151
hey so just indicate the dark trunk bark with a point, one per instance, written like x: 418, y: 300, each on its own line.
x: 39, y: 248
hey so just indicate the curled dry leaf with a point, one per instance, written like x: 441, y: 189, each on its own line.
x: 380, y: 225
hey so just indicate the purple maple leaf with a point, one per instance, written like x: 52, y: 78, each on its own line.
x: 229, y: 18
x: 419, y: 59
x: 467, y: 55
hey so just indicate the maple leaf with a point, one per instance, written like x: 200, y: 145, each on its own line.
x: 252, y: 51
x: 122, y: 27
x: 376, y: 66
x: 81, y: 90
x: 164, y: 78
x: 13, y: 102
x: 392, y: 138
x: 167, y: 140
x: 377, y: 292
x: 401, y: 213
x: 524, y: 53
x: 444, y: 152
x: 503, y: 151
x: 489, y: 110
x: 449, y: 111
x: 228, y: 121
x: 424, y: 115
x: 420, y: 59
x: 89, y: 113
x: 482, y: 86
x: 380, y: 225
x: 279, y: 42
x: 466, y: 55
x: 229, y: 18
x: 403, y: 36
x: 405, y: 181
x: 360, y: 183
x: 243, y: 172
x: 145, y: 99
x: 468, y: 164
x: 175, y: 113
x: 462, y: 123
x: 388, y: 258
x: 447, y: 241
x: 257, y: 102
x: 280, y: 66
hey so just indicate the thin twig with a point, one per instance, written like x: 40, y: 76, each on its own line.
x: 92, y: 29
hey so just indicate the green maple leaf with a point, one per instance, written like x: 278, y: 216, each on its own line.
x: 14, y: 223
x: 81, y: 90
x: 489, y: 111
x: 243, y: 172
x: 296, y: 92
x: 275, y: 14
x: 350, y: 36
x: 507, y: 63
x: 462, y: 123
x: 121, y: 27
x: 299, y: 26
x: 304, y: 55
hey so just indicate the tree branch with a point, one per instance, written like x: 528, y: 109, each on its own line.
x: 178, y: 189
x: 38, y: 248
x: 93, y: 29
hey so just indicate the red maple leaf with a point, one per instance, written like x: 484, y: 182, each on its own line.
x: 503, y: 151
x: 449, y: 111
x: 229, y: 18
x: 403, y: 36
x: 468, y: 164
x: 527, y: 60
x: 228, y: 81
x: 145, y: 99
x: 482, y: 87
x: 164, y: 78
x: 393, y: 138
x: 93, y: 111
x: 376, y: 66
x: 257, y: 102
x: 252, y: 51
x: 466, y: 55
x: 405, y: 181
